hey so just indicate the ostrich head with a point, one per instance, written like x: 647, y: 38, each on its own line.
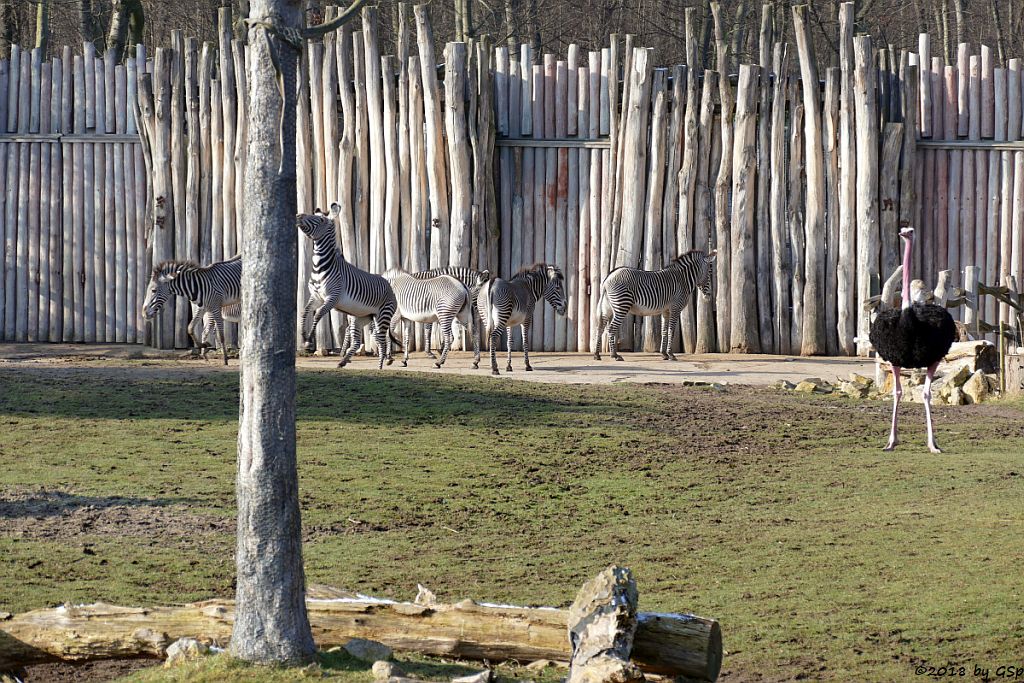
x: 907, y: 233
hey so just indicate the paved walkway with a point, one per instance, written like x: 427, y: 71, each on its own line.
x: 566, y: 368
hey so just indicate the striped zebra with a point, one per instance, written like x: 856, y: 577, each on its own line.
x: 441, y: 299
x: 627, y: 291
x: 336, y: 283
x: 216, y: 290
x: 507, y: 303
x: 473, y: 279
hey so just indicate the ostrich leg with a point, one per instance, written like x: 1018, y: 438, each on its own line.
x: 897, y: 394
x: 927, y: 395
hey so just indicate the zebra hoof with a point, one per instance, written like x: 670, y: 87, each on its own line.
x: 494, y: 371
x: 342, y: 363
x: 672, y: 356
x: 597, y: 356
x: 430, y: 355
x: 618, y: 357
x: 437, y: 365
x: 405, y: 364
x: 508, y: 369
x: 529, y: 368
x: 476, y: 365
x: 389, y: 362
x: 664, y: 356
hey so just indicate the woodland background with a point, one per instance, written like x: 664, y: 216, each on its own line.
x: 550, y: 25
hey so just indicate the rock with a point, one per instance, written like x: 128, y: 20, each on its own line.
x: 956, y: 397
x: 785, y: 384
x: 695, y: 383
x: 382, y: 670
x: 854, y: 390
x: 540, y: 665
x: 976, y: 388
x: 425, y: 596
x: 484, y: 676
x: 185, y: 650
x: 602, y: 622
x: 814, y: 385
x: 861, y: 380
x: 977, y: 355
x: 717, y: 387
x: 993, y: 383
x: 368, y: 650
x: 605, y: 669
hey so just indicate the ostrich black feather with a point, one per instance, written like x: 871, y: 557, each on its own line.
x: 914, y: 337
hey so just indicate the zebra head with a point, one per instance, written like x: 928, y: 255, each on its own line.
x: 159, y: 290
x: 317, y: 225
x: 705, y: 272
x: 554, y: 292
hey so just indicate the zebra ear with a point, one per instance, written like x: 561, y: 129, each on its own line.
x: 712, y: 255
x: 335, y: 209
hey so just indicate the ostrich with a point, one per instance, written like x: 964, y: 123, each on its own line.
x: 916, y: 336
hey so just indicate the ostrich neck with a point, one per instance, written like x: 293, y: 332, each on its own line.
x: 908, y: 242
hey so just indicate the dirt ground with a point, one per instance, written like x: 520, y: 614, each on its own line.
x: 557, y: 368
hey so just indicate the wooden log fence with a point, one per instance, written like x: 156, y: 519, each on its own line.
x: 503, y: 157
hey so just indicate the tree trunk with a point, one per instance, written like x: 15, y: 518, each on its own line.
x: 271, y: 623
x: 43, y: 25
x: 86, y: 21
x: 723, y: 185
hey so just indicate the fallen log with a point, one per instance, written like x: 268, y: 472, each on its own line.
x: 668, y: 644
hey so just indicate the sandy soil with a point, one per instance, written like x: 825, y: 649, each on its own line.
x: 560, y: 368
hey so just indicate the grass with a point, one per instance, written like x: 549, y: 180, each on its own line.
x: 776, y: 513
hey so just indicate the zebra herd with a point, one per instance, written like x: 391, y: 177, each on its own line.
x: 440, y: 296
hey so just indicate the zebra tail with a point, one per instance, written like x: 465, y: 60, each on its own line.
x: 483, y: 303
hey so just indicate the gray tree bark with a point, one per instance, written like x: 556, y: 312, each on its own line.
x: 86, y: 21
x: 126, y: 14
x: 271, y: 623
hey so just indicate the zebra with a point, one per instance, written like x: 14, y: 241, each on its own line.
x: 214, y: 289
x: 336, y: 283
x: 473, y: 279
x: 627, y: 291
x: 507, y: 303
x: 439, y: 299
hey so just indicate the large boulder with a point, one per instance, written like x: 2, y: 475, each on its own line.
x: 976, y: 388
x: 185, y: 650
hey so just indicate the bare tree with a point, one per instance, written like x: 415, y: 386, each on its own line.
x: 43, y: 24
x: 126, y: 14
x: 87, y: 21
x: 271, y: 623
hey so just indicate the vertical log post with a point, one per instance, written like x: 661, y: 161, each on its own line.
x: 867, y: 183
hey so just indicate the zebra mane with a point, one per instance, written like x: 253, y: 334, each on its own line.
x: 165, y: 268
x: 533, y: 267
x: 682, y: 257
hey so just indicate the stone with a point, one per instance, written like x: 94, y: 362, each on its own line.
x: 484, y: 676
x: 854, y: 389
x: 785, y: 384
x: 605, y: 669
x: 540, y: 665
x: 814, y: 385
x: 861, y: 380
x: 185, y: 650
x: 977, y: 355
x: 956, y: 397
x: 993, y: 383
x: 602, y: 622
x: 976, y: 388
x: 368, y: 650
x: 383, y: 670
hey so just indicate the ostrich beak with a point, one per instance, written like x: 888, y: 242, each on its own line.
x: 907, y: 233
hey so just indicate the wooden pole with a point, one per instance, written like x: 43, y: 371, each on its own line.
x: 419, y: 195
x: 892, y: 141
x: 686, y: 229
x: 437, y: 178
x: 598, y: 109
x: 539, y: 190
x: 813, y: 334
x: 702, y: 221
x: 867, y: 183
x: 120, y: 219
x: 179, y: 159
x: 652, y: 246
x: 550, y: 237
x: 908, y: 169
x: 229, y: 112
x: 393, y: 171
x: 846, y: 279
x: 99, y: 204
x: 585, y: 114
x: 765, y: 293
x: 925, y: 85
x: 374, y: 104
x: 743, y: 325
x: 1013, y: 130
x: 955, y: 172
x: 795, y: 211
x: 830, y: 152
x: 723, y: 184
x: 67, y: 156
x: 11, y: 159
x: 361, y: 191
x: 78, y: 198
x: 992, y: 238
x: 572, y: 204
x: 675, y: 234
x: 28, y: 211
x: 968, y: 184
x: 455, y: 66
x: 408, y: 226
x: 501, y: 102
x: 781, y: 269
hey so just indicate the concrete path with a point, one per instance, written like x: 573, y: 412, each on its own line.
x: 563, y: 368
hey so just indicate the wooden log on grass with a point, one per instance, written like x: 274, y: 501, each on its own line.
x: 867, y: 183
x: 813, y: 323
x: 668, y: 644
x: 743, y: 325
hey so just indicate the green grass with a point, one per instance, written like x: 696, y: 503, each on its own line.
x: 776, y: 513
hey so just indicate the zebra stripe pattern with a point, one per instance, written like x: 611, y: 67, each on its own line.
x: 631, y: 291
x: 336, y: 283
x: 215, y: 289
x: 504, y: 304
x: 441, y: 299
x: 473, y: 279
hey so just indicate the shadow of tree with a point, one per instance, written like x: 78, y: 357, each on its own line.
x: 52, y: 503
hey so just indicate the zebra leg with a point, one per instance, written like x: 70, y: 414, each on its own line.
x: 448, y: 338
x: 320, y: 313
x: 601, y: 325
x: 308, y: 338
x: 673, y: 329
x: 508, y: 343
x: 495, y: 338
x: 207, y: 326
x: 663, y: 344
x: 527, y: 326
x: 355, y: 340
x: 473, y: 332
x: 428, y: 329
x: 406, y: 324
x: 613, y: 334
x: 218, y: 324
x: 197, y: 319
